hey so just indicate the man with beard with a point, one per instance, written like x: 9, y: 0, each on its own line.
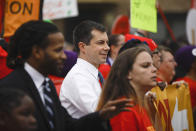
x: 35, y: 51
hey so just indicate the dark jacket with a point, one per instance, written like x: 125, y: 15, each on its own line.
x: 20, y: 79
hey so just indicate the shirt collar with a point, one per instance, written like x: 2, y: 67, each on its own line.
x: 91, y: 68
x: 36, y: 76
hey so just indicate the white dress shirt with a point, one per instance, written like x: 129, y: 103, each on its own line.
x: 110, y: 60
x: 80, y: 89
x: 37, y: 78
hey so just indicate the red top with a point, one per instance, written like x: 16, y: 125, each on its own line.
x: 134, y: 120
x: 57, y: 82
x: 105, y: 70
x: 192, y: 87
x: 4, y: 70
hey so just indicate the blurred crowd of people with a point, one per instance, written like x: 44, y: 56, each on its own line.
x: 118, y: 82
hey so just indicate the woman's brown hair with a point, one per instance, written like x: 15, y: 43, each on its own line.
x: 117, y: 84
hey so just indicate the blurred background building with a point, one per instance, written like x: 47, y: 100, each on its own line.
x: 106, y: 11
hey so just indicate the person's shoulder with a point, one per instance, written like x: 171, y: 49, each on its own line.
x: 77, y: 72
x: 14, y: 79
x: 131, y: 116
x: 74, y: 76
x: 134, y: 111
x: 12, y: 76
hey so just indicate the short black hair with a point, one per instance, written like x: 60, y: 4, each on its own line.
x: 10, y: 98
x: 82, y: 32
x: 25, y: 37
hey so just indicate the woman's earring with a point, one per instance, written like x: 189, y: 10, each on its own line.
x: 129, y: 76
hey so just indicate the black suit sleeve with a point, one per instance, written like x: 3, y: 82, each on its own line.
x: 90, y: 122
x: 64, y: 122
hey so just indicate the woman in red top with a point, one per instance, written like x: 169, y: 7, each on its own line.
x: 131, y: 76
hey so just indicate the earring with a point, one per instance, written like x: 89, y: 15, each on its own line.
x: 129, y: 77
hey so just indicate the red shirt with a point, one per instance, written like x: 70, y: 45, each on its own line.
x: 134, y: 120
x: 192, y: 87
x: 105, y: 70
x: 4, y: 70
x: 57, y: 82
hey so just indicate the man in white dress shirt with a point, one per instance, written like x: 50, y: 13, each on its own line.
x: 81, y: 89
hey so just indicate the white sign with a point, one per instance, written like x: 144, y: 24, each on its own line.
x: 191, y: 26
x: 57, y: 9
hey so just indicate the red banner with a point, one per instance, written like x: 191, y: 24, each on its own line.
x: 121, y: 25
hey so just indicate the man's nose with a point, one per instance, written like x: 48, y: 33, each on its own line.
x: 154, y: 69
x: 107, y: 47
x: 63, y: 55
x: 32, y: 120
x: 175, y: 63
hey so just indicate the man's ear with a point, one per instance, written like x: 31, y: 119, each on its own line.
x: 81, y: 46
x: 37, y: 52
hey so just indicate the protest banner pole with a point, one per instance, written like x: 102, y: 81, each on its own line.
x: 193, y: 36
x: 166, y: 23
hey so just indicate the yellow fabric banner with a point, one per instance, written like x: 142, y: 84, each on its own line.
x: 180, y: 107
x: 162, y: 106
x: 18, y: 12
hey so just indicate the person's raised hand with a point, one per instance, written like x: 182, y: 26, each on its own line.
x: 114, y: 107
x: 179, y: 83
